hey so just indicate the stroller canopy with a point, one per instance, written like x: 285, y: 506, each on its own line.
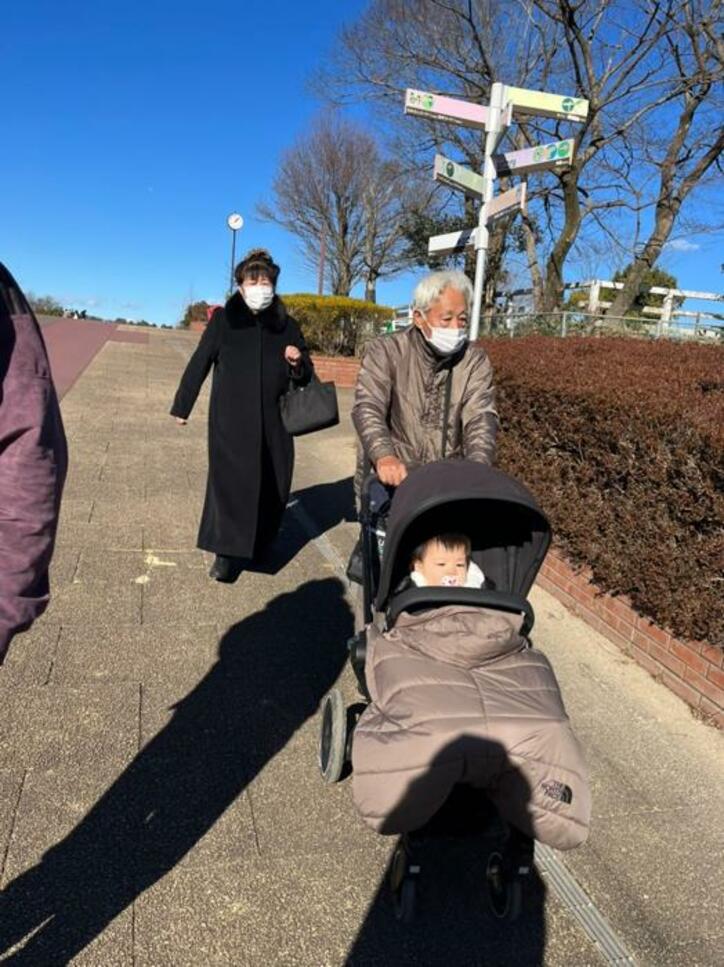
x: 509, y: 533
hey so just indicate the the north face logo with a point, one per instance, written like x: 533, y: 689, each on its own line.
x: 557, y: 790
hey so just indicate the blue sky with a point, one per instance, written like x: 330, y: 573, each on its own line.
x: 137, y: 127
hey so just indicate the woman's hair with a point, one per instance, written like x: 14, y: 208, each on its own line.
x: 429, y: 289
x: 257, y: 262
x: 449, y: 541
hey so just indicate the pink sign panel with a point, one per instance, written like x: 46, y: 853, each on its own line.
x: 441, y: 108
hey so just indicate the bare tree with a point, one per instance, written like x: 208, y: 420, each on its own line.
x: 333, y: 184
x: 636, y: 61
x: 693, y: 149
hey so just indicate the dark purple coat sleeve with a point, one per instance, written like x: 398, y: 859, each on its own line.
x: 33, y: 461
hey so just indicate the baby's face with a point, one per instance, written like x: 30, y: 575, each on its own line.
x: 442, y: 566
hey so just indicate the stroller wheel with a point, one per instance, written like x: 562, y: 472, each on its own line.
x: 505, y: 888
x: 333, y: 737
x: 403, y: 883
x: 405, y: 901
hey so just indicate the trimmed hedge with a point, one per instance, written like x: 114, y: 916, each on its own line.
x: 336, y: 325
x: 623, y: 444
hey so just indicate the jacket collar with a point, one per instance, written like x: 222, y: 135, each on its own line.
x: 429, y: 354
x: 240, y: 315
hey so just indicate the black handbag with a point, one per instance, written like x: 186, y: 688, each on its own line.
x: 310, y: 407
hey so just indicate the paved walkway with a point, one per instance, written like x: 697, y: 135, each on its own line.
x: 159, y: 801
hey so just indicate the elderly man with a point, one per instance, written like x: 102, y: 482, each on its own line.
x: 33, y: 460
x: 426, y: 393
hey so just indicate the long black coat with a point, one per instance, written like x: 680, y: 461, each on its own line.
x: 251, y: 456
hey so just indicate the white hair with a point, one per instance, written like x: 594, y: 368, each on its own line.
x: 429, y: 289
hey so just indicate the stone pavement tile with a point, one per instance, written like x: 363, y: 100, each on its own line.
x: 657, y: 879
x: 74, y: 510
x: 296, y: 813
x: 32, y: 654
x: 178, y: 535
x: 173, y: 655
x: 124, y: 537
x: 335, y: 910
x: 184, y: 597
x: 253, y: 913
x: 97, y: 604
x: 112, y: 512
x: 48, y: 725
x: 697, y: 953
x: 108, y: 568
x: 69, y: 867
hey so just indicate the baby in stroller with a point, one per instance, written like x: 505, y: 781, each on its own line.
x: 457, y: 694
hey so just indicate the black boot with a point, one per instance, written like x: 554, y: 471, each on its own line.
x: 226, y: 569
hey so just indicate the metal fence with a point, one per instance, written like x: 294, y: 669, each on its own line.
x: 571, y: 323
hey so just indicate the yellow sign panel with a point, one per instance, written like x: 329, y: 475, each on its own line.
x: 541, y: 104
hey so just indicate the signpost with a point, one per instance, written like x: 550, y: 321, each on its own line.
x: 457, y: 176
x: 557, y: 154
x: 506, y: 103
x: 542, y: 105
x: 452, y: 242
x: 450, y: 109
x: 509, y: 201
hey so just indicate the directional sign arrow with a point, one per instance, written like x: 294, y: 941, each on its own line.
x: 553, y: 155
x: 457, y: 176
x: 504, y: 203
x: 427, y: 105
x: 452, y: 242
x: 542, y: 104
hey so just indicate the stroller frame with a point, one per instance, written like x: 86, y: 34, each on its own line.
x: 510, y: 863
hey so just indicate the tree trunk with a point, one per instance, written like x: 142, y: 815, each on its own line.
x: 493, y: 267
x: 371, y: 288
x: 536, y: 276
x: 553, y: 286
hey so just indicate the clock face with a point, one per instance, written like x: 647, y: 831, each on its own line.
x: 234, y: 221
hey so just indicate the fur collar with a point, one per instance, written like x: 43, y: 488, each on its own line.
x: 240, y: 315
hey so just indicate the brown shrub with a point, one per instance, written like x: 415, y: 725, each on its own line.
x: 623, y: 444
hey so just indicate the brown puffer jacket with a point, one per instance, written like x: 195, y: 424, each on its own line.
x: 400, y: 400
x: 458, y: 697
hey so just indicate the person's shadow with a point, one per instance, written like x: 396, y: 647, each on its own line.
x: 453, y: 923
x: 323, y: 505
x: 272, y: 671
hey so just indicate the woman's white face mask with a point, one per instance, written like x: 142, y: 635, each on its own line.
x: 258, y: 297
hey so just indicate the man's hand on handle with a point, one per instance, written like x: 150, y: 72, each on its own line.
x: 390, y: 471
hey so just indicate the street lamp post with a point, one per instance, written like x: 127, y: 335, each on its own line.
x: 235, y: 222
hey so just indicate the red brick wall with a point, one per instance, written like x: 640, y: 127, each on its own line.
x: 691, y: 669
x: 341, y: 370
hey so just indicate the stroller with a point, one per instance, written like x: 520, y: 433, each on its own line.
x: 509, y: 537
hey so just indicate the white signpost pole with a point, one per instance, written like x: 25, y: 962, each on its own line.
x: 492, y: 138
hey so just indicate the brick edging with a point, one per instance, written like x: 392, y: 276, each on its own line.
x: 693, y: 670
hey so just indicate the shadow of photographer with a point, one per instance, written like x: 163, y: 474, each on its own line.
x: 272, y: 670
x: 453, y: 923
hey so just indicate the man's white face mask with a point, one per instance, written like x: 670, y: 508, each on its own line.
x: 258, y: 297
x: 447, y: 340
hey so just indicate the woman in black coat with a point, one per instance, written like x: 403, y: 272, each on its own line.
x: 255, y: 348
